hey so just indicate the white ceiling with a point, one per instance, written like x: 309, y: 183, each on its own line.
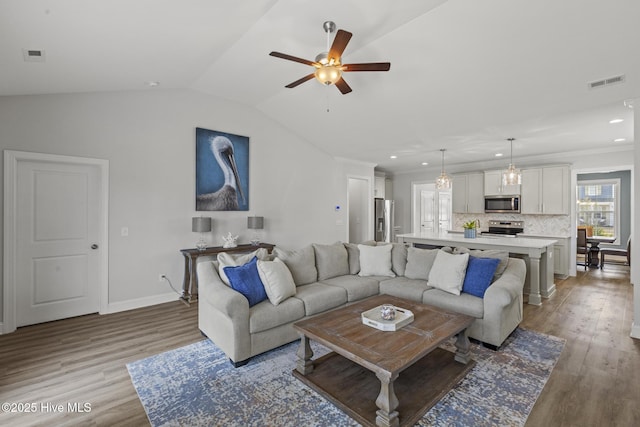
x: 465, y: 74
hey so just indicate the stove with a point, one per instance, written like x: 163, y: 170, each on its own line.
x: 504, y: 228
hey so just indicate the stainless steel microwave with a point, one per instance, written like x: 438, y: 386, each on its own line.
x: 502, y: 204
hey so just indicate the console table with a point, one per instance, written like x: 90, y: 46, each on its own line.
x: 190, y: 283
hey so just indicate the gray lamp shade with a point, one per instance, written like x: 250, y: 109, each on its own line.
x: 200, y: 224
x: 255, y: 222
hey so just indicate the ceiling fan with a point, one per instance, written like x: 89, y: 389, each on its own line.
x: 329, y: 66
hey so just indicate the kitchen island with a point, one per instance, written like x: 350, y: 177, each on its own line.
x: 537, y: 253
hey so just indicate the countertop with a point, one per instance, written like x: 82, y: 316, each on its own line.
x: 522, y: 235
x: 459, y: 239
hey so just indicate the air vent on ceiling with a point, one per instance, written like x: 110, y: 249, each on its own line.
x: 33, y: 55
x: 607, y: 81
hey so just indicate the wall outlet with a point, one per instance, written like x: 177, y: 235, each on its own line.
x: 161, y: 277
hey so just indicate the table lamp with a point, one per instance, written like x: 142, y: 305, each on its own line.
x: 201, y: 224
x: 255, y: 223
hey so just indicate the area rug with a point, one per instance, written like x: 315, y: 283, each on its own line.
x: 197, y: 386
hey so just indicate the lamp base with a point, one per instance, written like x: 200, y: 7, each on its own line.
x: 201, y: 245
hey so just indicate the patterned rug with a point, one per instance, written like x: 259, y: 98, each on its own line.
x: 197, y: 386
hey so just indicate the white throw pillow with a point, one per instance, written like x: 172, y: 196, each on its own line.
x: 277, y: 280
x: 375, y: 260
x: 235, y: 260
x: 448, y: 272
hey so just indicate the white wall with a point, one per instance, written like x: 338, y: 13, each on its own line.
x: 149, y: 139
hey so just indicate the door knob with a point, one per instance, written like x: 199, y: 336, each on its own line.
x: 94, y: 246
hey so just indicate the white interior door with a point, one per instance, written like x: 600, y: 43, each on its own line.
x: 427, y: 212
x: 444, y: 210
x: 431, y: 208
x: 58, y: 223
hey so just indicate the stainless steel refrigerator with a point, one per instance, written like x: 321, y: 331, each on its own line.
x: 383, y: 220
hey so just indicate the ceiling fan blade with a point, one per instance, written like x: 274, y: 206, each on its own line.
x: 343, y: 86
x: 294, y: 58
x: 339, y: 44
x: 369, y: 66
x: 300, y: 81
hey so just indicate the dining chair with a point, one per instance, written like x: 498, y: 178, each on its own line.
x: 582, y: 246
x: 618, y: 252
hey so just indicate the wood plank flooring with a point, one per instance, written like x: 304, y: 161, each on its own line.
x: 83, y: 360
x: 596, y: 381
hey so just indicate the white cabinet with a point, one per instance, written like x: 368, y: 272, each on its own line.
x: 561, y: 257
x: 545, y: 191
x: 468, y: 194
x: 493, y: 185
x: 561, y: 252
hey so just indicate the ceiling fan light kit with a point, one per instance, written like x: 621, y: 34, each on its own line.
x: 329, y: 67
x: 511, y: 176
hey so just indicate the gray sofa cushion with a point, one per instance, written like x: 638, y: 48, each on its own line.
x: 301, y: 264
x: 357, y: 287
x: 318, y: 297
x: 265, y: 315
x: 419, y: 263
x: 398, y: 258
x: 331, y: 260
x: 503, y: 256
x: 463, y: 303
x: 403, y: 287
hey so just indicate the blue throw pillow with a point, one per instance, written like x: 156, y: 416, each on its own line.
x: 479, y: 275
x: 246, y: 280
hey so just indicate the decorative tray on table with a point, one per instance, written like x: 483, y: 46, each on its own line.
x: 374, y: 318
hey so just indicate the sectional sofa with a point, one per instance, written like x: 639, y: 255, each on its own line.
x: 318, y: 278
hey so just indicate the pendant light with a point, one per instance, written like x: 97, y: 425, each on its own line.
x: 511, y: 176
x: 443, y: 182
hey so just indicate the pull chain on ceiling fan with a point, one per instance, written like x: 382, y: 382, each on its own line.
x: 329, y: 67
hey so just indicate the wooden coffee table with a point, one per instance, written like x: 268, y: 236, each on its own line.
x: 384, y: 378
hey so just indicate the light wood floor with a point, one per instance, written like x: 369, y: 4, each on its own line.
x: 595, y: 383
x: 84, y: 359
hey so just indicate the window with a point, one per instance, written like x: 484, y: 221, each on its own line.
x: 599, y: 206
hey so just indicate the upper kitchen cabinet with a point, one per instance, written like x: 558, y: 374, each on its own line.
x: 545, y: 191
x: 467, y: 193
x: 493, y: 185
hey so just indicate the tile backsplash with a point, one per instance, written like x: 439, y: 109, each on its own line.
x: 542, y: 225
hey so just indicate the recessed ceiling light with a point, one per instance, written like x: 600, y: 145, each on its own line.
x: 424, y: 163
x: 393, y: 157
x: 614, y: 121
x: 153, y: 83
x: 619, y: 140
x: 499, y: 154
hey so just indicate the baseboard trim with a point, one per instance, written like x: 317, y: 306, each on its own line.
x: 635, y: 331
x: 115, y: 307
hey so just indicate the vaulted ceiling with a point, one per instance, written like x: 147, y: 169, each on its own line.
x: 465, y: 74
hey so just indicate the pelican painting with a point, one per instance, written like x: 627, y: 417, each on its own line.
x: 221, y: 171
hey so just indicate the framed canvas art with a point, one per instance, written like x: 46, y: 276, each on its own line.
x: 222, y: 171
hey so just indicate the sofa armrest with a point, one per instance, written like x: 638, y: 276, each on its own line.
x: 509, y: 286
x: 213, y: 291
